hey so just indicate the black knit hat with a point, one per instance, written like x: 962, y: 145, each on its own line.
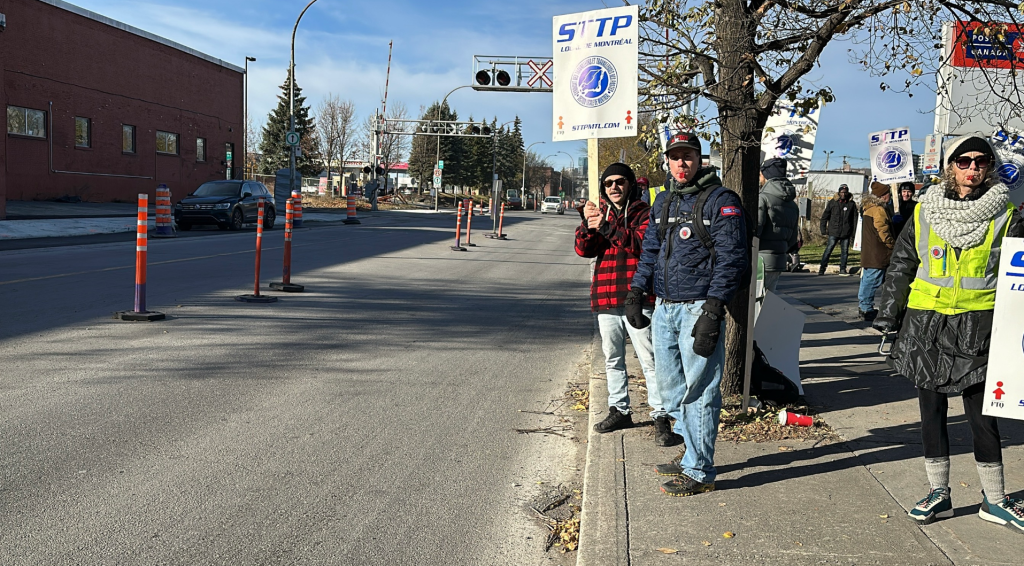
x: 967, y: 145
x: 624, y: 170
x: 774, y: 168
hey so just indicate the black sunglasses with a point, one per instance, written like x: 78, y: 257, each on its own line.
x: 965, y: 162
x: 621, y: 181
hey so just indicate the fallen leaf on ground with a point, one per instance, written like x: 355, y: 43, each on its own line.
x: 667, y: 550
x: 721, y: 504
x: 728, y: 534
x: 785, y: 448
x: 798, y: 543
x: 621, y: 460
x: 706, y: 543
x: 965, y: 484
x: 884, y: 516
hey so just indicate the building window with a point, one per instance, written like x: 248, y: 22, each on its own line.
x: 166, y: 142
x: 200, y: 149
x: 127, y: 138
x: 83, y: 135
x: 26, y: 122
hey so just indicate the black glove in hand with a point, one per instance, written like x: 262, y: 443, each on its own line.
x: 635, y: 309
x: 885, y: 325
x: 708, y: 328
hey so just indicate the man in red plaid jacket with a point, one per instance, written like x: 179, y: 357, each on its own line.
x: 613, y: 233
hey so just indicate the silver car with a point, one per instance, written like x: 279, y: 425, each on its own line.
x: 552, y: 204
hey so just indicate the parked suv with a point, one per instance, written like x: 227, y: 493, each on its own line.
x: 552, y: 204
x: 228, y: 204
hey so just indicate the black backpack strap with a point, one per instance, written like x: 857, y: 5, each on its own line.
x: 666, y: 210
x: 699, y: 226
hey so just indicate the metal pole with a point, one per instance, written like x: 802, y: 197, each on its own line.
x: 523, y: 190
x: 494, y: 178
x: 291, y: 100
x: 437, y: 152
x: 245, y: 128
x: 572, y: 184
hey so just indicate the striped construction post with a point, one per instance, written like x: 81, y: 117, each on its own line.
x: 255, y: 297
x: 469, y: 223
x: 163, y: 213
x: 350, y: 215
x: 501, y: 220
x: 458, y: 231
x: 286, y: 284
x: 141, y: 249
x: 297, y: 203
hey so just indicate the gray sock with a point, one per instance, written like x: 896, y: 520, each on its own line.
x: 938, y: 472
x: 991, y: 474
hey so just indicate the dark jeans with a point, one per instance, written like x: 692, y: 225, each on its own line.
x: 935, y: 435
x: 844, y: 252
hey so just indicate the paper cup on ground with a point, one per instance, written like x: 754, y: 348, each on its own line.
x: 794, y: 419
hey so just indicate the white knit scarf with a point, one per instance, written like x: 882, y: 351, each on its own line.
x: 963, y: 223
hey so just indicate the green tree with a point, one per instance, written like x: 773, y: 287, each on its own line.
x: 425, y: 148
x: 510, y: 155
x: 273, y: 146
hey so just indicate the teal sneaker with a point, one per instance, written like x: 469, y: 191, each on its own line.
x: 937, y: 505
x: 1009, y: 512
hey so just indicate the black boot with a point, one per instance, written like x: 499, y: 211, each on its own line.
x: 614, y: 421
x: 663, y: 435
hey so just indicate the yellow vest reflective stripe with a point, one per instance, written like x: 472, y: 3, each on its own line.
x: 948, y: 284
x: 653, y: 193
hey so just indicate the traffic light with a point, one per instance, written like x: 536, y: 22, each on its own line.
x: 500, y: 78
x: 480, y: 130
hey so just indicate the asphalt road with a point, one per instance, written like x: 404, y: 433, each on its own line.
x: 368, y: 420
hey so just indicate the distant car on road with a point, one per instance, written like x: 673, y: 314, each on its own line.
x: 226, y: 204
x: 552, y: 204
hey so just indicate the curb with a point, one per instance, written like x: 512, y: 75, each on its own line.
x: 604, y: 518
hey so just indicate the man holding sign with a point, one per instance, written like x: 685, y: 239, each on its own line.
x: 940, y: 294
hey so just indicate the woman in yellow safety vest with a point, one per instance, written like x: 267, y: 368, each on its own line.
x: 939, y: 292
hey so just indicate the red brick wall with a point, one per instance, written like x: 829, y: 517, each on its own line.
x: 91, y: 69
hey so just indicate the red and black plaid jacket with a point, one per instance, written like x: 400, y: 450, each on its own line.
x: 617, y: 247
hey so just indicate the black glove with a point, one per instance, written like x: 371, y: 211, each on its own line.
x: 635, y: 309
x: 885, y: 325
x: 709, y: 326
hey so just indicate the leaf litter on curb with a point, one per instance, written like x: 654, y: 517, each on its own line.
x: 667, y: 550
x: 763, y: 425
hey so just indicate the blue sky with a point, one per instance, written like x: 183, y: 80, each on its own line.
x: 342, y: 48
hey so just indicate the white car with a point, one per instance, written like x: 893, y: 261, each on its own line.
x: 552, y: 204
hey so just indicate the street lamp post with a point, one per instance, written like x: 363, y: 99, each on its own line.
x: 291, y: 100
x: 523, y: 190
x: 827, y: 155
x: 245, y: 127
x: 437, y: 152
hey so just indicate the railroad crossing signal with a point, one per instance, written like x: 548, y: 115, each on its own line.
x: 512, y: 74
x: 538, y: 73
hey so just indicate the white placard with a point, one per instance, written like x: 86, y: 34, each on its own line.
x: 777, y: 332
x: 1010, y: 147
x: 1004, y: 382
x: 931, y: 163
x: 790, y: 135
x: 891, y: 157
x: 858, y: 236
x: 595, y: 74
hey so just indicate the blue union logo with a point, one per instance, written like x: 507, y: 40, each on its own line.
x: 594, y: 82
x: 891, y: 161
x: 1009, y: 174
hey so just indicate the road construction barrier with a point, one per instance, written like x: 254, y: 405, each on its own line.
x: 458, y: 231
x: 490, y: 203
x: 350, y: 215
x: 469, y: 223
x: 256, y: 297
x: 297, y: 203
x: 286, y: 284
x: 141, y: 250
x: 164, y: 229
x: 501, y: 221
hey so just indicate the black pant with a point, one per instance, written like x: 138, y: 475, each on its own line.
x: 844, y: 252
x: 935, y: 435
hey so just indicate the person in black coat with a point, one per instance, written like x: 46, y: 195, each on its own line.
x: 838, y: 223
x: 906, y: 204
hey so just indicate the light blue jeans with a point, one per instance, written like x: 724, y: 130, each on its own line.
x: 689, y: 384
x: 614, y: 329
x: 870, y: 280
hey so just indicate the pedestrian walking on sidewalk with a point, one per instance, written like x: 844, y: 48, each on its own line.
x: 838, y: 223
x: 877, y: 241
x: 939, y: 293
x: 695, y: 254
x: 778, y: 218
x: 613, y: 233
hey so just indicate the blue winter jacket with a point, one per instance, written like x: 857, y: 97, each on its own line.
x: 680, y: 268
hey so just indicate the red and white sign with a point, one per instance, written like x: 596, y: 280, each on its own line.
x: 539, y: 73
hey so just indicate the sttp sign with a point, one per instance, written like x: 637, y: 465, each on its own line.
x: 1004, y: 382
x: 891, y: 157
x: 595, y: 74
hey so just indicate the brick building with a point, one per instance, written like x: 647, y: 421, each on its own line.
x: 103, y: 111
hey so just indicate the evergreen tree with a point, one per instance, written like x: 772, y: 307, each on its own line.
x: 425, y: 149
x: 510, y: 156
x: 274, y: 147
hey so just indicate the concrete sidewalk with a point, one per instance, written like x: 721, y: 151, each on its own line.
x: 841, y: 503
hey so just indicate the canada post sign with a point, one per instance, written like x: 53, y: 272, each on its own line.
x: 595, y: 74
x: 974, y: 49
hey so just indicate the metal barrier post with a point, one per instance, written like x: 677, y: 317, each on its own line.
x: 286, y: 284
x: 255, y: 297
x: 141, y: 249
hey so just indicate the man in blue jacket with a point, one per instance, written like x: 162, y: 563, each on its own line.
x: 693, y: 281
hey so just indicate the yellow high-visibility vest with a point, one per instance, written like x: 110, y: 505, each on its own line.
x: 948, y: 284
